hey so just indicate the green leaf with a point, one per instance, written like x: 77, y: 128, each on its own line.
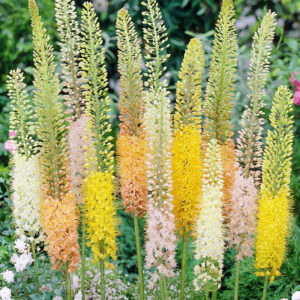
x: 36, y: 297
x: 184, y: 3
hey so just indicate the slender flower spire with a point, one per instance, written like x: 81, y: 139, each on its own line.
x: 209, y: 231
x: 79, y: 145
x: 155, y: 35
x: 96, y: 91
x: 274, y: 200
x: 160, y: 230
x: 22, y: 122
x: 58, y: 210
x: 131, y: 141
x: 69, y: 33
x: 220, y: 92
x: 160, y: 236
x: 186, y: 148
x: 131, y: 144
x: 66, y: 19
x: 100, y: 211
x: 242, y: 217
x: 26, y: 185
x: 249, y: 143
x: 220, y: 88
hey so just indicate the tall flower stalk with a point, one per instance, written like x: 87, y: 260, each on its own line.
x: 66, y: 19
x: 160, y: 230
x: 131, y: 142
x: 220, y: 88
x: 209, y: 231
x: 274, y: 200
x: 100, y: 211
x: 242, y: 217
x: 186, y: 148
x: 69, y: 33
x: 160, y: 235
x: 249, y: 142
x: 26, y: 184
x: 58, y: 207
x: 220, y: 93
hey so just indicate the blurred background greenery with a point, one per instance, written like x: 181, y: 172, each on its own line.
x: 184, y: 19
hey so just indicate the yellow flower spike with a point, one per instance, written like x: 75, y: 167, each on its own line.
x: 274, y: 201
x: 100, y: 213
x: 187, y: 175
x: 186, y: 148
x: 187, y: 153
x: 188, y: 101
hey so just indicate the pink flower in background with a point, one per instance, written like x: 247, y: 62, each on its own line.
x: 10, y: 146
x: 12, y: 133
x: 296, y: 83
x: 297, y: 97
x: 242, y: 215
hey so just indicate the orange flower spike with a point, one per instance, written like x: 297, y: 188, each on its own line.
x: 131, y: 143
x: 132, y: 166
x: 130, y: 69
x: 58, y: 211
x: 60, y: 221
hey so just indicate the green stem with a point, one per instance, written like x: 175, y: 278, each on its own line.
x: 102, y: 279
x: 214, y: 295
x: 207, y: 291
x: 163, y: 287
x: 183, y: 265
x: 68, y: 285
x: 237, y: 278
x: 265, y: 288
x: 36, y: 272
x: 139, y: 257
x: 83, y: 260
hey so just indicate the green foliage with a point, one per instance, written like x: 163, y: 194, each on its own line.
x: 6, y: 226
